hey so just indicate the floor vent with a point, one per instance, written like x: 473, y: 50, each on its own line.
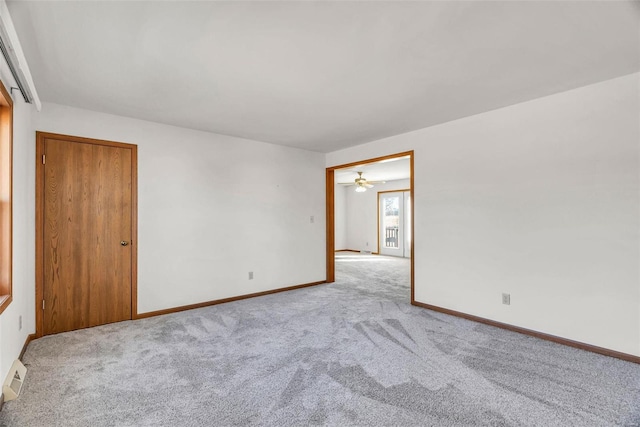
x: 366, y: 252
x: 13, y: 383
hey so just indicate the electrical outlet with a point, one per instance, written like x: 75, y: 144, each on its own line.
x: 312, y: 219
x: 19, y: 323
x: 367, y: 243
x: 506, y: 299
x: 251, y: 275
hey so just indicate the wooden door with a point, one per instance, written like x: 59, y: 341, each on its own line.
x: 87, y: 234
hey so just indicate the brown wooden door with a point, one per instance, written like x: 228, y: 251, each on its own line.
x: 87, y: 220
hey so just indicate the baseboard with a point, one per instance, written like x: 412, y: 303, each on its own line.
x: 224, y: 300
x: 541, y: 335
x: 26, y: 344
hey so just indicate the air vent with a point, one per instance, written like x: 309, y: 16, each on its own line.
x: 15, y: 379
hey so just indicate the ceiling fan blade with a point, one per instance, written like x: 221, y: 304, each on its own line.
x: 368, y: 185
x: 347, y: 183
x: 376, y: 182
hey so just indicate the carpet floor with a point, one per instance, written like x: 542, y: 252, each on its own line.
x: 354, y: 352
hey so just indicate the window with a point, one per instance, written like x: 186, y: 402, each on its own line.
x: 6, y: 165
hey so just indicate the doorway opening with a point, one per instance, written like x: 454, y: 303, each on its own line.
x: 394, y: 223
x: 359, y: 224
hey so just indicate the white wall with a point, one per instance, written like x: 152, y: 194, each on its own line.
x: 540, y: 200
x: 212, y: 208
x: 12, y: 338
x: 362, y: 215
x: 340, y: 217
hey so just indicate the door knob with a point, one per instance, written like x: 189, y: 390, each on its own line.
x: 124, y: 243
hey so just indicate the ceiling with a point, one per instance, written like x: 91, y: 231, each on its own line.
x: 387, y: 170
x: 319, y: 75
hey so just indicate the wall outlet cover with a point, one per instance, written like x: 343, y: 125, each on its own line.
x: 506, y: 299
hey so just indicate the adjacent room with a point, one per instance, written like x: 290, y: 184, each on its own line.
x: 372, y: 225
x: 319, y: 213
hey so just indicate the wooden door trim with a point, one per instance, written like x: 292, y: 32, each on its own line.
x: 134, y: 232
x: 393, y: 191
x: 330, y: 227
x: 330, y: 213
x: 6, y: 187
x: 40, y: 191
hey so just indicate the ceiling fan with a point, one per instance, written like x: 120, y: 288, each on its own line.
x: 361, y: 183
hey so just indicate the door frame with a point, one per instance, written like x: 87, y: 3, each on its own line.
x: 380, y: 193
x: 330, y: 214
x: 40, y: 191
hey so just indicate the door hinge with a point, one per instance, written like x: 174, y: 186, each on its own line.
x: 43, y: 304
x: 44, y: 159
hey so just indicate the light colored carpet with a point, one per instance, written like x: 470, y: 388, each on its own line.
x: 350, y: 353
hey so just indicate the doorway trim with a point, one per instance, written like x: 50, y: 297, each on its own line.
x: 40, y: 190
x: 330, y: 213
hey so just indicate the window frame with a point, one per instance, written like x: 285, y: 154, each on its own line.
x: 6, y: 198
